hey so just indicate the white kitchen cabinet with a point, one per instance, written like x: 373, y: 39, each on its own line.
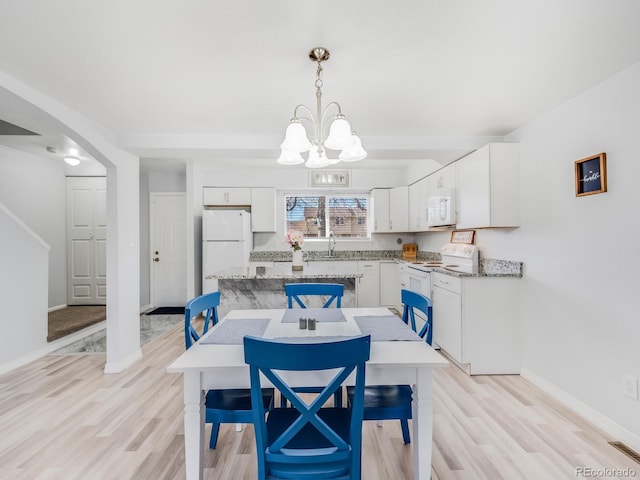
x: 226, y: 196
x: 418, y: 195
x: 443, y: 181
x: 380, y: 203
x: 390, y: 209
x: 476, y: 321
x: 399, y: 209
x: 389, y: 284
x: 488, y: 193
x: 263, y: 209
x: 369, y: 284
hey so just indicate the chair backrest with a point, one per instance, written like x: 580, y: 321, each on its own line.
x: 414, y: 300
x: 322, y: 449
x: 207, y: 305
x: 334, y: 291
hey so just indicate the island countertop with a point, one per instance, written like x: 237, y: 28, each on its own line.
x: 283, y: 270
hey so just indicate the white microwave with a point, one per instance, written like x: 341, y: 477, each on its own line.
x: 441, y: 210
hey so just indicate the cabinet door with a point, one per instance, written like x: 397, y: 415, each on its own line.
x: 263, y: 209
x: 212, y: 196
x: 418, y: 194
x: 474, y: 196
x: 239, y: 196
x: 369, y: 284
x: 447, y: 321
x: 380, y: 200
x: 488, y: 187
x: 389, y: 285
x: 399, y: 209
x: 442, y: 181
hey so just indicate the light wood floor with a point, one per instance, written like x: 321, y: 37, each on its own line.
x: 61, y: 417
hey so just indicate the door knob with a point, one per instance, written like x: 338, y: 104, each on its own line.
x: 156, y: 259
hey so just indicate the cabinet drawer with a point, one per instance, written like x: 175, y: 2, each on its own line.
x: 448, y: 282
x: 368, y: 266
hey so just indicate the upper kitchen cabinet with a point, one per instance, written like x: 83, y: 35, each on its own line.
x: 390, y: 209
x: 418, y: 195
x: 380, y: 201
x: 489, y: 187
x: 263, y: 209
x: 442, y: 182
x: 226, y: 197
x: 399, y: 209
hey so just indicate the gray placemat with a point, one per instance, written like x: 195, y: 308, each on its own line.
x: 384, y: 328
x: 292, y: 315
x: 233, y: 330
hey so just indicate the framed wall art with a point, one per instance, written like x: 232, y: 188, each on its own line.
x: 591, y: 175
x: 463, y: 236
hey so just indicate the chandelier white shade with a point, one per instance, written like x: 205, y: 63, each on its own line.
x: 340, y: 136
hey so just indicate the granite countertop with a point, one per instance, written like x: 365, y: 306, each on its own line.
x: 488, y: 267
x: 283, y: 270
x: 322, y: 256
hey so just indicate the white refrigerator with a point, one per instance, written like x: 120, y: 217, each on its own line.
x: 226, y: 243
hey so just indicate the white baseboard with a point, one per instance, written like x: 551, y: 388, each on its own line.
x: 51, y: 347
x: 117, y: 367
x: 57, y: 307
x: 618, y: 432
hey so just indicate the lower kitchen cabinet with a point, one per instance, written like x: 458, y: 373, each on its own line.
x: 389, y: 284
x: 368, y: 286
x: 476, y: 322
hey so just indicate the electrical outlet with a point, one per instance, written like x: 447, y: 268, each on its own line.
x: 630, y: 386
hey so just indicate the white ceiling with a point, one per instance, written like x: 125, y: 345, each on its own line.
x: 218, y: 81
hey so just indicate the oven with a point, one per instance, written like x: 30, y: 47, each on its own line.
x: 419, y: 276
x: 419, y: 280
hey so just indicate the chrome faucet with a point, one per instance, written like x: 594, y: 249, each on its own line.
x: 332, y: 243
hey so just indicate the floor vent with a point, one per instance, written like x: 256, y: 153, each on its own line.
x: 632, y: 454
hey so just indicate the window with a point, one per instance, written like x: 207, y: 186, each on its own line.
x: 318, y: 215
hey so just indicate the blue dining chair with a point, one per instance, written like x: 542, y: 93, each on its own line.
x: 308, y: 441
x: 221, y: 405
x: 334, y: 292
x: 413, y: 301
x: 393, y: 402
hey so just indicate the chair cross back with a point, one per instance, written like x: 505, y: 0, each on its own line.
x: 413, y: 300
x: 334, y: 291
x: 309, y: 443
x: 205, y: 304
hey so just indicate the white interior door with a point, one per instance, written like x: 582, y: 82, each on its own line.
x: 86, y: 240
x: 168, y: 246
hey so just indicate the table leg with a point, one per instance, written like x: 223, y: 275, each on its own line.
x: 194, y: 416
x: 422, y: 411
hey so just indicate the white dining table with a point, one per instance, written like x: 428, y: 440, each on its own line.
x: 209, y: 364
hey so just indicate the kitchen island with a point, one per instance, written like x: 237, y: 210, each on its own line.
x: 263, y: 287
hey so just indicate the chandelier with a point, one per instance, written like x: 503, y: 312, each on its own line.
x: 340, y: 137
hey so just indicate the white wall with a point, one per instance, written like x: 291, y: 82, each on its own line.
x: 23, y: 279
x: 581, y: 329
x: 34, y: 189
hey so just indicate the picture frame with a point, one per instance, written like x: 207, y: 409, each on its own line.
x: 591, y: 175
x: 463, y: 236
x: 329, y: 178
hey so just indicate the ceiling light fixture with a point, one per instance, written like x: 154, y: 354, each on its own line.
x: 73, y: 161
x: 341, y: 137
